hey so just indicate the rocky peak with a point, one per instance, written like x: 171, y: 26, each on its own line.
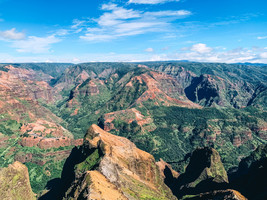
x: 111, y: 167
x: 205, y: 172
x: 207, y: 160
x: 123, y: 164
x: 15, y: 183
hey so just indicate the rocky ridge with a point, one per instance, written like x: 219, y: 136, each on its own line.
x: 112, y: 167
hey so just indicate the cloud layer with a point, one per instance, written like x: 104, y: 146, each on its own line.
x: 191, y: 53
x: 118, y: 22
x: 35, y: 44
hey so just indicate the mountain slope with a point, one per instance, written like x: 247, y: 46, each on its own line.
x: 211, y: 84
x: 111, y: 167
x: 29, y: 132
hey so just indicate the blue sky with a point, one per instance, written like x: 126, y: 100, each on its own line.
x: 133, y: 30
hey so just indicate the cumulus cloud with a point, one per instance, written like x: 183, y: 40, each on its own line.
x: 118, y: 21
x: 35, y: 44
x: 149, y: 49
x: 201, y: 48
x: 151, y: 1
x: 11, y: 34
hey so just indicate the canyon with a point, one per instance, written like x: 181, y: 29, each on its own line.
x: 167, y: 109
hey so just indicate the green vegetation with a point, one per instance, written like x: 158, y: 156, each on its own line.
x: 40, y: 175
x: 53, y: 69
x: 48, y: 167
x: 180, y: 130
x: 141, y: 191
x: 3, y: 68
x: 8, y: 127
x: 89, y: 163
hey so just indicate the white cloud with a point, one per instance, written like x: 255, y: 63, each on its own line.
x: 77, y: 23
x: 262, y: 37
x: 201, y: 48
x: 62, y: 32
x: 76, y: 27
x: 263, y: 55
x: 110, y: 6
x: 11, y: 34
x: 151, y: 1
x: 76, y: 60
x: 35, y: 44
x: 168, y: 13
x: 149, y: 49
x: 118, y: 21
x: 202, y: 53
x: 117, y: 14
x: 96, y: 37
x: 217, y: 55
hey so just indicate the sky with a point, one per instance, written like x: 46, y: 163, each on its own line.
x: 229, y: 31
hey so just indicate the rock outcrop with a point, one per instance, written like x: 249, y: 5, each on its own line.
x: 132, y: 172
x: 251, y: 176
x: 15, y: 183
x: 111, y: 167
x: 204, y: 173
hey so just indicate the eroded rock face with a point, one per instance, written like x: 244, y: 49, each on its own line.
x: 204, y: 173
x: 25, y: 83
x: 209, y: 87
x: 20, y: 91
x: 15, y: 183
x: 162, y: 88
x: 115, y: 166
x: 46, y: 143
